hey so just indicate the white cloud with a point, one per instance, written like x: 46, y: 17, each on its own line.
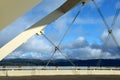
x: 90, y: 53
x: 37, y: 44
x: 16, y: 54
x: 34, y: 48
x: 80, y: 49
x: 78, y: 43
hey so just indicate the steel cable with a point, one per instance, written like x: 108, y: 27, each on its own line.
x: 56, y: 48
x: 103, y: 49
x: 99, y: 11
x: 50, y: 58
x: 67, y: 58
x: 115, y: 17
x: 69, y: 27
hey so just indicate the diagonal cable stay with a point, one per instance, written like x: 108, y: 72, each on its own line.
x: 69, y: 27
x: 115, y: 17
x: 110, y: 32
x: 103, y: 50
x: 100, y: 13
x: 106, y: 24
x: 66, y: 58
x: 51, y: 58
x: 57, y: 47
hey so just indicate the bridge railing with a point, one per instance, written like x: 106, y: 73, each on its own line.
x: 56, y: 68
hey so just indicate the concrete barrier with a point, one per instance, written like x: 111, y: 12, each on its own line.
x: 57, y: 72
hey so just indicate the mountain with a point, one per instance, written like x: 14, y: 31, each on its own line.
x: 60, y: 62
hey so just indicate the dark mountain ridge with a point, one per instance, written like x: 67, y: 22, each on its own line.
x: 60, y: 62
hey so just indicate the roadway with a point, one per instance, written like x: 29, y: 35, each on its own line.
x: 65, y: 77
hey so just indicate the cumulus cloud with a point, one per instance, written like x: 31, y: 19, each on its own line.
x: 83, y: 50
x: 16, y: 54
x: 78, y: 43
x: 36, y: 47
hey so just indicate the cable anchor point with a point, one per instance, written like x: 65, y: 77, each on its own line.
x: 56, y: 48
x: 42, y: 32
x: 110, y: 31
x: 85, y: 1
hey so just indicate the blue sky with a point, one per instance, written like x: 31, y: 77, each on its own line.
x: 84, y: 41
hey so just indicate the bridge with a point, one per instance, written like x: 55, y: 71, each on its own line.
x: 75, y: 72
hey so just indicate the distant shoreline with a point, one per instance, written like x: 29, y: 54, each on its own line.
x: 61, y: 62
